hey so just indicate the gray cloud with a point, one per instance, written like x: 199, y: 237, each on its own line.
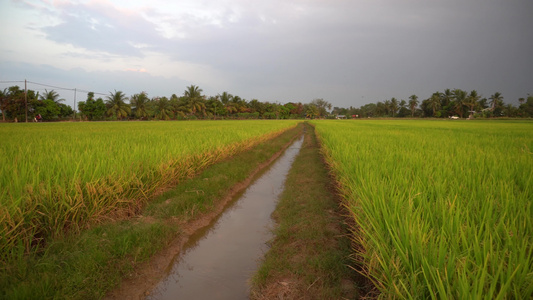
x: 348, y: 52
x: 101, y: 27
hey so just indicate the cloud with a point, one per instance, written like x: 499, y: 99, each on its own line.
x: 141, y: 70
x: 276, y: 50
x: 102, y: 27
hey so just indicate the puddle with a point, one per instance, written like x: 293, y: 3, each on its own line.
x: 218, y: 261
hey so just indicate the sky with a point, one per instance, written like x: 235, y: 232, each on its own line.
x: 347, y: 52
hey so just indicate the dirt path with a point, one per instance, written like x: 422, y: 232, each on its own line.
x: 311, y: 253
x: 144, y: 277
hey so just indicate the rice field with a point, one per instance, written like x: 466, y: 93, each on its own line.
x: 443, y: 208
x: 57, y: 176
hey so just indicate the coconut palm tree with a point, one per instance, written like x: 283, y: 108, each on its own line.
x: 393, y: 106
x: 195, y: 100
x: 51, y: 95
x: 496, y: 100
x: 459, y: 101
x: 225, y: 97
x: 434, y: 103
x: 446, y: 101
x: 413, y: 103
x: 117, y: 106
x: 163, y: 109
x: 472, y: 101
x: 140, y: 103
x: 4, y: 95
x: 179, y: 106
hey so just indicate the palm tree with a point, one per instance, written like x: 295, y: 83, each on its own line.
x: 381, y: 109
x: 51, y: 95
x: 434, y: 102
x: 393, y: 106
x: 212, y: 105
x: 472, y: 101
x: 446, y: 101
x: 496, y: 100
x: 225, y: 97
x: 116, y: 105
x: 178, y: 106
x: 387, y: 106
x: 139, y: 103
x: 413, y: 103
x: 4, y: 95
x: 459, y: 101
x: 195, y: 100
x: 163, y: 109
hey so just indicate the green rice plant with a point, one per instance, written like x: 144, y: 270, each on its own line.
x: 443, y: 209
x: 57, y: 176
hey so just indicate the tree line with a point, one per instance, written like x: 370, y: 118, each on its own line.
x: 451, y: 102
x: 192, y: 104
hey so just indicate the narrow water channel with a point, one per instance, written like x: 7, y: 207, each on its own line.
x: 219, y: 260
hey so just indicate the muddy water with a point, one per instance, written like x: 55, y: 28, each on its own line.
x: 220, y: 259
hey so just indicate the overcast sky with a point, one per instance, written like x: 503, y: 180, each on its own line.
x: 348, y: 52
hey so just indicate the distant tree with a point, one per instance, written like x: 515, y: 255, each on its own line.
x: 65, y: 110
x: 117, y: 106
x: 163, y: 109
x: 179, y: 106
x: 140, y: 105
x: 496, y: 101
x: 312, y: 111
x: 447, y: 105
x: 472, y: 101
x: 14, y: 105
x: 413, y: 103
x: 404, y: 111
x: 435, y: 102
x: 510, y: 110
x: 195, y: 100
x: 387, y: 107
x: 526, y: 108
x: 47, y: 108
x: 459, y: 101
x: 92, y: 109
x: 3, y: 102
x: 482, y: 103
x: 225, y: 97
x: 381, y: 109
x: 214, y: 106
x: 257, y: 106
x: 394, y: 106
x: 322, y: 105
x: 51, y: 95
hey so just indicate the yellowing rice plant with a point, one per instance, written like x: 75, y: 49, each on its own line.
x: 444, y: 209
x: 65, y: 175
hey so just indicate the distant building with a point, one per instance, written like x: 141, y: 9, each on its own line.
x: 340, y: 117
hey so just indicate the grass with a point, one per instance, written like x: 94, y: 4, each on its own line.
x: 309, y: 255
x: 89, y: 264
x: 58, y: 176
x: 444, y: 209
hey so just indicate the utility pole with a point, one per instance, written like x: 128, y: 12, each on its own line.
x: 74, y: 104
x: 26, y: 98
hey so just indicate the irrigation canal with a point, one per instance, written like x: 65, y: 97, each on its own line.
x: 218, y: 261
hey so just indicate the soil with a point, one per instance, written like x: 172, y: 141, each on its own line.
x: 144, y: 277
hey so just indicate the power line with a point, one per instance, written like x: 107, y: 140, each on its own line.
x: 52, y: 86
